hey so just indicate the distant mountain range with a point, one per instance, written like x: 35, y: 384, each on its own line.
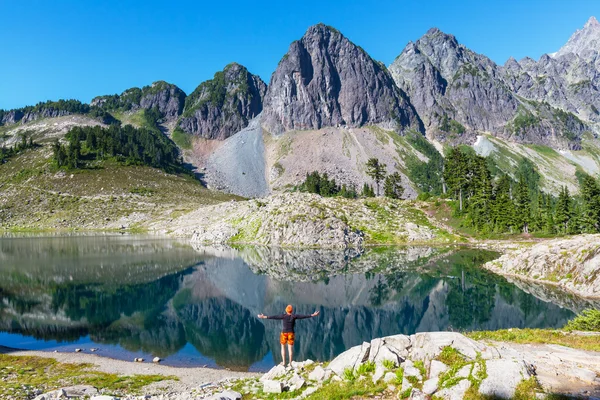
x: 330, y: 106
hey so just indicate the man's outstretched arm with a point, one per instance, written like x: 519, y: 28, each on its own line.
x: 263, y: 316
x: 304, y: 316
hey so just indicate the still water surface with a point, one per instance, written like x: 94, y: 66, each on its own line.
x: 134, y: 296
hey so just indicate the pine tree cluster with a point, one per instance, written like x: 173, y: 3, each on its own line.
x: 25, y: 143
x: 126, y: 144
x: 503, y: 205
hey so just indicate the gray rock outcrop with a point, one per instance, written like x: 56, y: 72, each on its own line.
x: 326, y: 80
x: 572, y: 264
x: 224, y: 105
x: 165, y: 97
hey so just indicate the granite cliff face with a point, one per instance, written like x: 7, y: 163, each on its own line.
x: 167, y: 98
x: 224, y: 105
x: 326, y: 80
x: 459, y: 93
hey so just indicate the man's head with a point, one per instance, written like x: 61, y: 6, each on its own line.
x: 289, y: 309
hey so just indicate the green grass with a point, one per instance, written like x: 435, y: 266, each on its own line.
x: 348, y: 390
x: 22, y: 375
x: 182, y: 139
x: 539, y: 336
x: 37, y: 197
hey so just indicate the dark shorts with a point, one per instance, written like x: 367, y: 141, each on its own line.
x: 286, y: 338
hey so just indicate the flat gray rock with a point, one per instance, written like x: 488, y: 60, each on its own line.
x: 226, y: 395
x: 503, y: 377
x: 456, y: 392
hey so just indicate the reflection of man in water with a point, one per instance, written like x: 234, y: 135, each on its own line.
x: 287, y: 333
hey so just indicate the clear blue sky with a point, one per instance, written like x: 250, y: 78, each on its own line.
x: 80, y: 49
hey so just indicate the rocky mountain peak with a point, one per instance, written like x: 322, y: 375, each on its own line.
x: 326, y: 80
x: 592, y: 23
x: 584, y: 42
x: 222, y: 106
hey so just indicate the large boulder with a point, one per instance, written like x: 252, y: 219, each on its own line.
x: 350, y: 359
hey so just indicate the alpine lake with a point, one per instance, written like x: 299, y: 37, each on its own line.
x: 141, y: 296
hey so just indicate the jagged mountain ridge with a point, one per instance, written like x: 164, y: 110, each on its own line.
x: 459, y: 93
x: 329, y: 88
x: 568, y: 79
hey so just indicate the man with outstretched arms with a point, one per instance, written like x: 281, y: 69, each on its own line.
x: 287, y: 332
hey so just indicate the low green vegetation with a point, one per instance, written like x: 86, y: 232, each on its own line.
x: 588, y: 320
x: 539, y: 336
x: 182, y: 139
x: 450, y: 125
x: 22, y: 375
x: 214, y: 92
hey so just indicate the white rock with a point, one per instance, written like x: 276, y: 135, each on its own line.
x: 336, y: 378
x: 416, y: 394
x: 503, y: 377
x: 271, y: 386
x: 436, y: 368
x: 55, y: 394
x: 379, y: 372
x: 226, y: 395
x: 275, y: 372
x: 80, y: 391
x: 410, y: 369
x: 156, y: 360
x: 389, y: 377
x: 429, y: 345
x: 401, y: 343
x: 297, y: 381
x: 405, y: 385
x: 317, y: 374
x: 77, y: 350
x: 465, y: 371
x: 384, y: 352
x: 430, y: 386
x: 103, y: 397
x: 351, y: 358
x: 456, y: 392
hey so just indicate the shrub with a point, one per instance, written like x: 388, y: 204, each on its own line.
x: 588, y: 320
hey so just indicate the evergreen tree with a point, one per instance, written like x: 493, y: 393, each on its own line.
x: 456, y: 174
x: 590, y: 197
x: 376, y: 171
x: 563, y: 210
x: 367, y: 191
x: 392, y: 187
x: 480, y: 202
x: 503, y: 207
x: 522, y: 205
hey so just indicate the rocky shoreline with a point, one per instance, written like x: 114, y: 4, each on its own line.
x: 440, y: 365
x: 572, y: 264
x: 303, y: 220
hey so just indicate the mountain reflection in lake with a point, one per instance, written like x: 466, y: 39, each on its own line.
x: 136, y: 296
